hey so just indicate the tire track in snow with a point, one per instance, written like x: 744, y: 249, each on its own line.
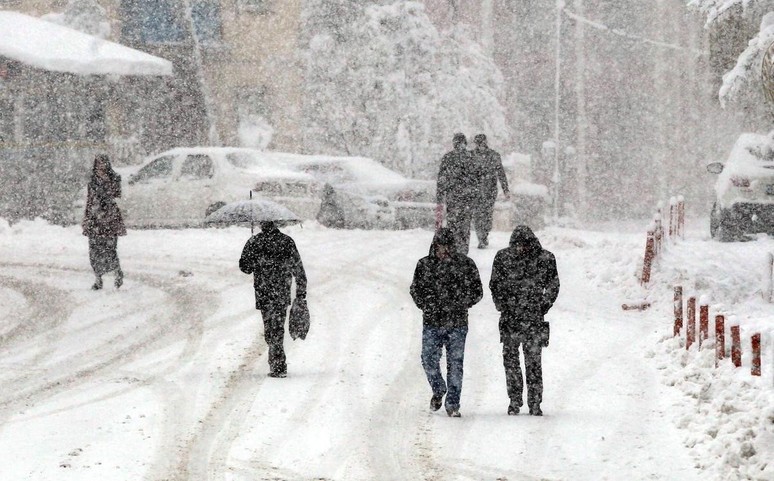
x: 213, y: 442
x: 222, y: 429
x: 72, y: 372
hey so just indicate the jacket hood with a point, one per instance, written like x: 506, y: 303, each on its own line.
x: 523, y: 235
x: 444, y: 237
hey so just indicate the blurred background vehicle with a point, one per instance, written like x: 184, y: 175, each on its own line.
x: 744, y: 190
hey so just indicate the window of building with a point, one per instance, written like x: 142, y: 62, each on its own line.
x: 164, y: 21
x: 256, y: 6
x: 206, y: 18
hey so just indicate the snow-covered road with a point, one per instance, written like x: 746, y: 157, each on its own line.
x: 165, y: 379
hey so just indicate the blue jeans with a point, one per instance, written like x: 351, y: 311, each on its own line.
x: 434, y: 339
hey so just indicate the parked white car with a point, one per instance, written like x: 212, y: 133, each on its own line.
x: 179, y: 187
x: 744, y: 191
x: 359, y: 192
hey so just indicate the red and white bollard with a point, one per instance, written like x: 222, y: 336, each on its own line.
x: 756, y: 355
x: 736, y: 346
x: 690, y: 331
x: 650, y: 254
x: 678, y: 306
x: 720, y: 338
x: 703, y: 323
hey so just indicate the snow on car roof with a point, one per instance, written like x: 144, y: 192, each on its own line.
x: 751, y: 152
x: 53, y: 47
x: 251, y: 160
x: 324, y: 168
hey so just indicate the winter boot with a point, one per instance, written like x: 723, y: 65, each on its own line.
x: 513, y: 409
x: 453, y: 412
x: 97, y: 284
x: 534, y: 409
x: 278, y: 374
x: 436, y: 402
x: 119, y: 278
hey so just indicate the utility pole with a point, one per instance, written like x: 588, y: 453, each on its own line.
x: 580, y: 98
x: 209, y: 106
x: 557, y: 104
x: 487, y: 32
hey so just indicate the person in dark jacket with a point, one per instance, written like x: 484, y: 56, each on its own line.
x: 274, y: 261
x: 446, y: 284
x: 102, y: 221
x: 457, y: 188
x: 490, y: 169
x: 524, y: 285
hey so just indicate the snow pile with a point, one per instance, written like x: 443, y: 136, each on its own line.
x: 727, y: 413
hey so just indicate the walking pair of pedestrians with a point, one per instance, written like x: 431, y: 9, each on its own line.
x: 467, y: 187
x: 524, y: 286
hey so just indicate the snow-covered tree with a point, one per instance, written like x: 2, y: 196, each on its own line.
x: 736, y: 23
x: 83, y: 15
x: 390, y: 86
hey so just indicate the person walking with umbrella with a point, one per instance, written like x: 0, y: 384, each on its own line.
x: 273, y: 260
x: 446, y: 285
x: 102, y: 221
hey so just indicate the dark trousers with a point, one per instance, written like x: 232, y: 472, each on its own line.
x: 482, y: 218
x: 103, y: 254
x: 532, y: 363
x: 458, y: 218
x: 274, y: 332
x: 434, y: 339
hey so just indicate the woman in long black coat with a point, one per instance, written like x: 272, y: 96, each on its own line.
x: 102, y: 221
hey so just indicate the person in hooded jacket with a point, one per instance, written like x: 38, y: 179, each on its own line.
x: 524, y: 285
x: 102, y: 221
x: 490, y: 168
x: 446, y: 284
x: 273, y: 259
x: 457, y: 187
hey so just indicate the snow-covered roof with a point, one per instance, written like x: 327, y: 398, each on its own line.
x: 49, y: 46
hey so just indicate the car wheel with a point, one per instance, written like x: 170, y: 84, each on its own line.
x: 213, y: 207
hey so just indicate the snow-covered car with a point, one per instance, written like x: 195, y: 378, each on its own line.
x: 344, y: 209
x: 359, y: 192
x: 179, y: 187
x: 744, y: 190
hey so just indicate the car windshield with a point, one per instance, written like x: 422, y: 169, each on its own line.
x: 242, y: 160
x: 157, y: 169
x: 329, y: 172
x: 197, y: 166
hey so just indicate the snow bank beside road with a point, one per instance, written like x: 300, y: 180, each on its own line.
x: 727, y: 414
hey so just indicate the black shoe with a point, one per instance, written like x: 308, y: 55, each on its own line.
x: 119, y: 278
x: 513, y: 410
x: 453, y: 413
x: 436, y: 402
x: 97, y: 284
x: 535, y: 410
x: 278, y: 374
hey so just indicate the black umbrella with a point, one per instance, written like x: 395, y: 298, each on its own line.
x: 251, y: 212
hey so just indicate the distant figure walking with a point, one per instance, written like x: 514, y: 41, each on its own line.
x: 524, y: 285
x: 490, y: 169
x: 446, y: 284
x: 102, y: 221
x: 457, y: 188
x: 273, y: 259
